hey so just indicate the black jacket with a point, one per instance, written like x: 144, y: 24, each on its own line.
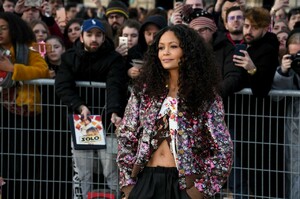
x: 264, y: 54
x: 232, y: 76
x: 138, y: 51
x: 104, y: 65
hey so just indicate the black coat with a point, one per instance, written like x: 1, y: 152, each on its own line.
x: 232, y: 76
x: 104, y: 65
x: 264, y: 54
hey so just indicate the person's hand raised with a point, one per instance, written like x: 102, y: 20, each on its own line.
x: 20, y: 6
x: 286, y: 63
x: 46, y: 9
x: 278, y: 4
x: 122, y: 49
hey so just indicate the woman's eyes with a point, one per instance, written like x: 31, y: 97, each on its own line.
x: 172, y: 46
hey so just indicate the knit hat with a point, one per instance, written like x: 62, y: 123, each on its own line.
x: 194, y: 17
x: 90, y: 24
x: 117, y: 7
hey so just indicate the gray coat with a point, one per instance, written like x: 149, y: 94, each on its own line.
x: 291, y: 81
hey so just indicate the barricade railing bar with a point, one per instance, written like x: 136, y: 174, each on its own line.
x: 36, y: 159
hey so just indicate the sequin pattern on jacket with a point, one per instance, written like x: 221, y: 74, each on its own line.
x: 204, y: 146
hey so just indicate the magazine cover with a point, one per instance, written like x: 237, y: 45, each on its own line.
x: 87, y: 133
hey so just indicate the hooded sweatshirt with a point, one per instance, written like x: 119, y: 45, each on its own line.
x: 138, y: 51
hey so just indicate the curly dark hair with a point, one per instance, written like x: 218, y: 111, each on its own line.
x: 19, y: 31
x: 198, y: 75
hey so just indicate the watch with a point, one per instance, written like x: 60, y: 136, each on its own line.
x: 251, y: 71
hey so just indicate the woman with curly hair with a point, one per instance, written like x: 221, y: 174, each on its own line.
x: 173, y: 142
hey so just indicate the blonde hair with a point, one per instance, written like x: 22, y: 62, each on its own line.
x: 293, y: 39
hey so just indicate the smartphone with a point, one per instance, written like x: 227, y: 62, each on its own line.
x: 123, y: 41
x: 61, y: 16
x: 33, y: 3
x: 42, y: 48
x: 239, y: 47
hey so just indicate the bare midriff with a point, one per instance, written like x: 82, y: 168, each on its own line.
x: 162, y: 156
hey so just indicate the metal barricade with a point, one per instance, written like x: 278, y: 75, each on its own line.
x: 35, y: 152
x: 36, y: 159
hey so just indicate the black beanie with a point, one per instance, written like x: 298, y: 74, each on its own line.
x: 157, y: 20
x: 117, y: 7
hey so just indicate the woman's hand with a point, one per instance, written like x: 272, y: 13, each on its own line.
x: 126, y: 190
x: 134, y: 72
x: 5, y: 64
x: 193, y: 193
x: 122, y: 49
x: 115, y: 119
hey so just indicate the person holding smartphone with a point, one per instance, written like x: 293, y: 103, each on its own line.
x: 43, y: 12
x: 259, y: 61
x: 127, y: 36
x: 149, y: 28
x: 203, y: 22
x: 176, y: 17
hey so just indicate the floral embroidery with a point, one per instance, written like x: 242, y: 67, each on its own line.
x: 203, y: 144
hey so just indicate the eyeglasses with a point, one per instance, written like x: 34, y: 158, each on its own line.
x: 233, y: 18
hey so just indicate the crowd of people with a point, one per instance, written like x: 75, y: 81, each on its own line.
x: 168, y: 89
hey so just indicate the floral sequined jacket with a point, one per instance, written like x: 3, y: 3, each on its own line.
x: 204, y: 146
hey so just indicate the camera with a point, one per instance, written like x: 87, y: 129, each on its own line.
x: 295, y: 65
x: 295, y: 59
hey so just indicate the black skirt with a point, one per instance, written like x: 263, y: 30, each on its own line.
x: 158, y: 183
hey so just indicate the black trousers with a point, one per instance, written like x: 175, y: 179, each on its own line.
x: 158, y: 183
